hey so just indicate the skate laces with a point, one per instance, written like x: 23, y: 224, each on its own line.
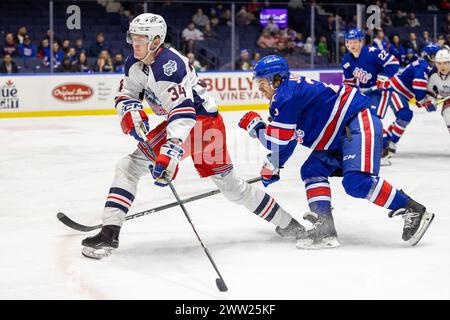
x: 408, y: 216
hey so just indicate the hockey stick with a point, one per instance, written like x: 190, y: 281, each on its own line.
x: 219, y: 281
x: 439, y: 101
x: 80, y: 227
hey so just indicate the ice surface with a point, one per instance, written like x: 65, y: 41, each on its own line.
x: 66, y: 164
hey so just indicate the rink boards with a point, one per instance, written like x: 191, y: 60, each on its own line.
x: 69, y: 94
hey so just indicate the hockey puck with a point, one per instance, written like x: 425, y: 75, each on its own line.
x: 221, y: 285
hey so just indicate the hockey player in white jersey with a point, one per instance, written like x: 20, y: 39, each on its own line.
x: 191, y: 126
x: 439, y: 83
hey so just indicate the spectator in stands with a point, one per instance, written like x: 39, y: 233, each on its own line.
x: 27, y: 49
x: 281, y: 49
x: 386, y: 20
x: 58, y: 55
x: 308, y: 46
x: 200, y: 19
x: 55, y: 37
x: 385, y: 9
x: 254, y: 7
x: 271, y: 26
x: 10, y: 46
x: 79, y: 47
x: 119, y: 64
x: 225, y: 18
x: 266, y: 40
x: 43, y: 48
x: 190, y: 35
x: 72, y: 55
x: 441, y: 41
x: 380, y: 40
x: 244, y: 62
x: 209, y: 33
x: 8, y: 65
x: 342, y: 50
x: 445, y: 28
x: 104, y: 62
x: 322, y: 48
x: 413, y: 21
x: 214, y: 19
x: 65, y: 46
x: 244, y: 18
x: 426, y: 40
x: 413, y: 43
x: 397, y: 49
x: 194, y: 62
x: 444, y: 4
x: 65, y: 66
x: 256, y: 58
x: 98, y: 46
x: 299, y: 42
x: 399, y: 19
x: 21, y: 33
x: 82, y: 64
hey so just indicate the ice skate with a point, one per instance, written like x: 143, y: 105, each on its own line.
x: 391, y: 148
x: 103, y: 244
x: 417, y: 221
x: 292, y: 230
x: 385, y: 158
x: 322, y: 235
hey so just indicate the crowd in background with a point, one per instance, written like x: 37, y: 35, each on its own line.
x: 73, y: 56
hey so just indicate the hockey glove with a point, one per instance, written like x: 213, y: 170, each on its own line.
x: 252, y: 122
x: 166, y: 167
x: 131, y: 122
x: 428, y: 105
x: 269, y: 173
x: 383, y: 83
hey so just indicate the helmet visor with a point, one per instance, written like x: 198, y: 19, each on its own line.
x: 139, y: 39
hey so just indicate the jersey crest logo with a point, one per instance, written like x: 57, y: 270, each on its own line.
x: 299, y: 134
x: 170, y: 67
x: 154, y: 103
x: 362, y: 75
x: 346, y: 65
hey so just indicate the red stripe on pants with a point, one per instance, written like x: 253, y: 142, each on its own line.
x: 368, y: 139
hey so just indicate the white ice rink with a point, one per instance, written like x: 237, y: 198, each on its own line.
x: 67, y: 164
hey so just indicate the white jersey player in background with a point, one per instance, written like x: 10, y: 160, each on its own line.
x: 439, y: 82
x: 164, y: 78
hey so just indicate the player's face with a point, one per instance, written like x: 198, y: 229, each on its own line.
x: 265, y: 88
x: 140, y: 45
x: 354, y: 46
x: 443, y: 67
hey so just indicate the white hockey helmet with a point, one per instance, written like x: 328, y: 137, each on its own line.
x: 442, y: 55
x: 148, y: 24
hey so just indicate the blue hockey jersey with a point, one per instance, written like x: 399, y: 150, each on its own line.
x: 363, y: 71
x: 311, y: 113
x: 412, y: 81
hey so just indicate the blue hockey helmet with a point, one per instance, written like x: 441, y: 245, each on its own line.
x: 354, y: 34
x: 271, y: 66
x: 430, y: 51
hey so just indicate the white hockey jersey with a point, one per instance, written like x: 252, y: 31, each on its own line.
x: 170, y: 86
x: 440, y: 85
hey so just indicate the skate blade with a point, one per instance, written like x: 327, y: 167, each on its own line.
x: 96, y: 253
x: 325, y: 243
x: 425, y: 222
x: 385, y: 162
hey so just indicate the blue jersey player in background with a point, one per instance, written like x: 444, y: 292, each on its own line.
x: 371, y: 69
x: 346, y: 139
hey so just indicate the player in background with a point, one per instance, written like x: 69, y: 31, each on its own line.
x: 411, y: 83
x: 439, y: 82
x: 191, y: 126
x: 346, y: 139
x: 370, y: 69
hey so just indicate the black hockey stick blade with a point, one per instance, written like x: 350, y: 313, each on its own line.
x: 221, y: 285
x: 74, y: 225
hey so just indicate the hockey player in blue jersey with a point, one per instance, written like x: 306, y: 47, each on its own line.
x: 410, y: 83
x: 371, y: 69
x: 346, y: 139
